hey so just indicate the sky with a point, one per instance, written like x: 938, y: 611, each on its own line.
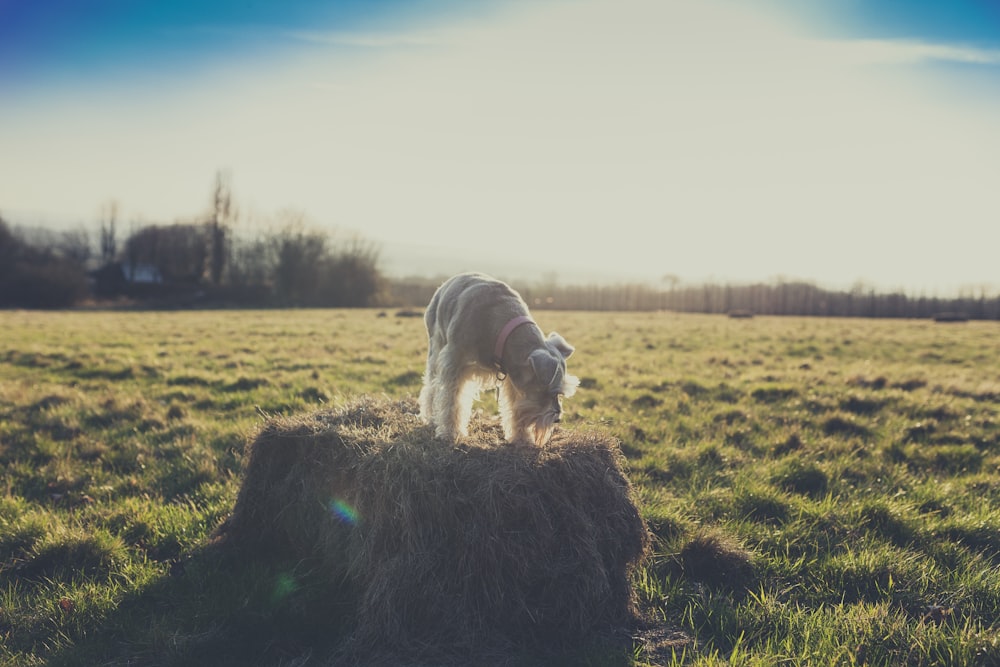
x: 833, y: 141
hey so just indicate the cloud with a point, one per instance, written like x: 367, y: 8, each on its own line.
x: 371, y: 40
x: 907, y: 52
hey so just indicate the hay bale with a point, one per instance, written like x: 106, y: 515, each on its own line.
x: 447, y: 546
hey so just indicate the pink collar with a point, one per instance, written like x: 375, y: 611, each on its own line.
x: 504, y: 334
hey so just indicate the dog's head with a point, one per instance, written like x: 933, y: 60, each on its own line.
x: 543, y: 382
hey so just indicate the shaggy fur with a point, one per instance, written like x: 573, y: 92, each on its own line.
x: 446, y: 549
x: 464, y: 319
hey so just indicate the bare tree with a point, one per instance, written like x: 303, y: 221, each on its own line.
x: 673, y: 280
x: 221, y: 221
x: 74, y: 245
x: 299, y: 256
x: 109, y: 244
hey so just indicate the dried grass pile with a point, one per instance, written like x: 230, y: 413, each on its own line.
x: 443, y: 545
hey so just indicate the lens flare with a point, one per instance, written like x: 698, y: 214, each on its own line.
x: 284, y: 585
x: 343, y: 511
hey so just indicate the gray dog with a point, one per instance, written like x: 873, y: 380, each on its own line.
x: 480, y: 333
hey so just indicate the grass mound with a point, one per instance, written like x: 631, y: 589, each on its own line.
x: 447, y: 546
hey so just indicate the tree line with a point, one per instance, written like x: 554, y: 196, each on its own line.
x: 777, y: 298
x: 210, y: 261
x: 216, y: 261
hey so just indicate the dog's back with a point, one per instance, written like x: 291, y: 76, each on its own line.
x: 469, y: 305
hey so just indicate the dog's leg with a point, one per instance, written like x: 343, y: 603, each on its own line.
x: 468, y: 392
x: 426, y: 400
x: 429, y: 390
x: 506, y: 400
x: 447, y: 389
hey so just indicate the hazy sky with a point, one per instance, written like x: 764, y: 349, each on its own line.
x: 825, y: 140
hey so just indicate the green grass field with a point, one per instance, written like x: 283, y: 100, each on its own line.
x: 820, y: 491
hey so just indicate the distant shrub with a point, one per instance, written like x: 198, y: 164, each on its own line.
x: 33, y: 277
x: 947, y: 317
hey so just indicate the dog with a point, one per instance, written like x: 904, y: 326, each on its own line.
x: 479, y: 334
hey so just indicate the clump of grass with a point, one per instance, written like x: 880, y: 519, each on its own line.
x: 887, y: 520
x: 861, y: 406
x: 977, y: 532
x: 694, y: 389
x: 940, y: 457
x: 761, y: 502
x: 838, y: 425
x: 407, y: 379
x: 773, y: 394
x: 188, y: 381
x: 877, y: 383
x: 718, y: 560
x: 666, y: 525
x: 731, y: 417
x: 803, y: 477
x: 912, y: 384
x: 790, y: 444
x: 920, y: 431
x: 314, y: 395
x: 480, y: 544
x: 647, y: 401
x: 246, y: 384
x: 19, y: 535
x: 86, y: 553
x: 175, y: 412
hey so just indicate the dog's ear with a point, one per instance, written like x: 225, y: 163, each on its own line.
x: 561, y: 346
x: 544, y: 366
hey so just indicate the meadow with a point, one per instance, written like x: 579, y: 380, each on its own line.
x: 820, y: 491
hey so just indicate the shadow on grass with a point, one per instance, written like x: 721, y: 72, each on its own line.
x: 218, y: 608
x: 221, y: 608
